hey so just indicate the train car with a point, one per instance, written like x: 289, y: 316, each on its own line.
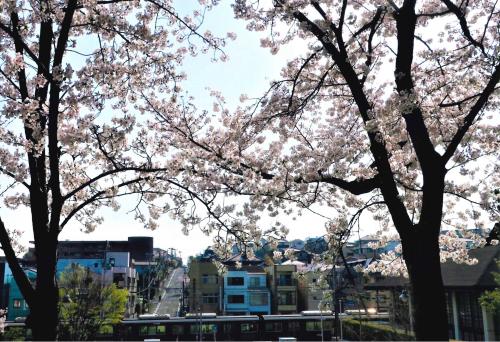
x: 308, y: 326
x: 229, y: 328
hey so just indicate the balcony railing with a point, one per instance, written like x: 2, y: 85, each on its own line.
x: 286, y: 282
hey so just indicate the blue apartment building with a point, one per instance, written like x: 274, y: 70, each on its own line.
x: 113, y: 261
x: 13, y: 299
x: 245, y: 291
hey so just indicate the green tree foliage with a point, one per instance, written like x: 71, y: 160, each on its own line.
x: 86, y: 305
x: 490, y: 300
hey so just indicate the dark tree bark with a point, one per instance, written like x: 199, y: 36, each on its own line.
x: 427, y: 295
x: 420, y: 240
x: 44, y: 315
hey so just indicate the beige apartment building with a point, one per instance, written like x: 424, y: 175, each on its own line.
x: 283, y: 286
x: 205, y: 287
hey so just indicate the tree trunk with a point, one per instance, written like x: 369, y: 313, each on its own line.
x: 430, y: 319
x: 44, y: 313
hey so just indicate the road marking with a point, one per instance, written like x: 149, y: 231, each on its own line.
x: 165, y: 291
x: 171, y: 277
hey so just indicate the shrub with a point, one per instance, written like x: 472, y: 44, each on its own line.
x: 372, y: 331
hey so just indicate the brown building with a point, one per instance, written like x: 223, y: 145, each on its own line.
x: 283, y: 286
x: 310, y: 291
x: 205, y: 286
x: 464, y: 284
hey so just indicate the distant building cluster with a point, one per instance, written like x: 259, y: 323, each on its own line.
x: 257, y: 284
x: 131, y: 264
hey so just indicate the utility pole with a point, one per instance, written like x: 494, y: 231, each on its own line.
x: 149, y: 281
x: 201, y: 324
x: 104, y: 267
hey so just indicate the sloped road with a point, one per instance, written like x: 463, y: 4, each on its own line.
x: 171, y: 294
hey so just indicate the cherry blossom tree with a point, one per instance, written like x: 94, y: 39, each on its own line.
x: 389, y: 107
x: 72, y: 138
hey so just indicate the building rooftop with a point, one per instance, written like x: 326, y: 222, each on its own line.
x: 244, y: 259
x: 247, y: 268
x: 458, y: 275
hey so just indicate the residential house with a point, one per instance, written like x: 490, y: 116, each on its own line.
x: 297, y: 244
x: 309, y: 289
x: 243, y: 259
x: 205, y: 288
x: 110, y: 268
x: 316, y: 245
x: 12, y: 298
x: 139, y: 247
x: 283, y: 285
x: 301, y: 255
x: 4, y: 296
x: 463, y: 284
x: 245, y: 291
x: 363, y: 248
x: 283, y: 245
x: 112, y: 261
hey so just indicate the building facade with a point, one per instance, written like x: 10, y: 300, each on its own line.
x: 464, y: 284
x: 283, y: 285
x: 245, y: 291
x: 12, y: 297
x: 205, y: 288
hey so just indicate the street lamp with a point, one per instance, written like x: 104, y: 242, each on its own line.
x: 405, y: 298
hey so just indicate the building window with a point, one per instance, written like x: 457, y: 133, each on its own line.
x: 470, y: 316
x: 177, y: 329
x: 286, y: 298
x: 248, y: 327
x: 17, y: 303
x: 205, y: 328
x: 285, y: 280
x: 316, y: 325
x: 235, y: 281
x: 210, y: 298
x: 273, y: 327
x: 254, y: 282
x: 236, y: 299
x: 258, y: 299
x: 152, y: 330
x: 209, y: 279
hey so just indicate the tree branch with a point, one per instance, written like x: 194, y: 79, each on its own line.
x: 19, y: 276
x: 469, y: 119
x: 389, y: 189
x: 18, y: 40
x: 53, y: 126
x: 463, y: 24
x: 13, y: 176
x: 356, y: 187
x: 415, y: 125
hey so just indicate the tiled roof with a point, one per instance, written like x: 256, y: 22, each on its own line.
x: 243, y: 258
x: 247, y: 268
x: 458, y: 275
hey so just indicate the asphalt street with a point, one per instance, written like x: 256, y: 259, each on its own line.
x: 171, y: 294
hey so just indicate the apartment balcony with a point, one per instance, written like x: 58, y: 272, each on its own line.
x: 286, y: 281
x: 287, y: 300
x: 287, y: 308
x: 286, y: 288
x: 257, y: 288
